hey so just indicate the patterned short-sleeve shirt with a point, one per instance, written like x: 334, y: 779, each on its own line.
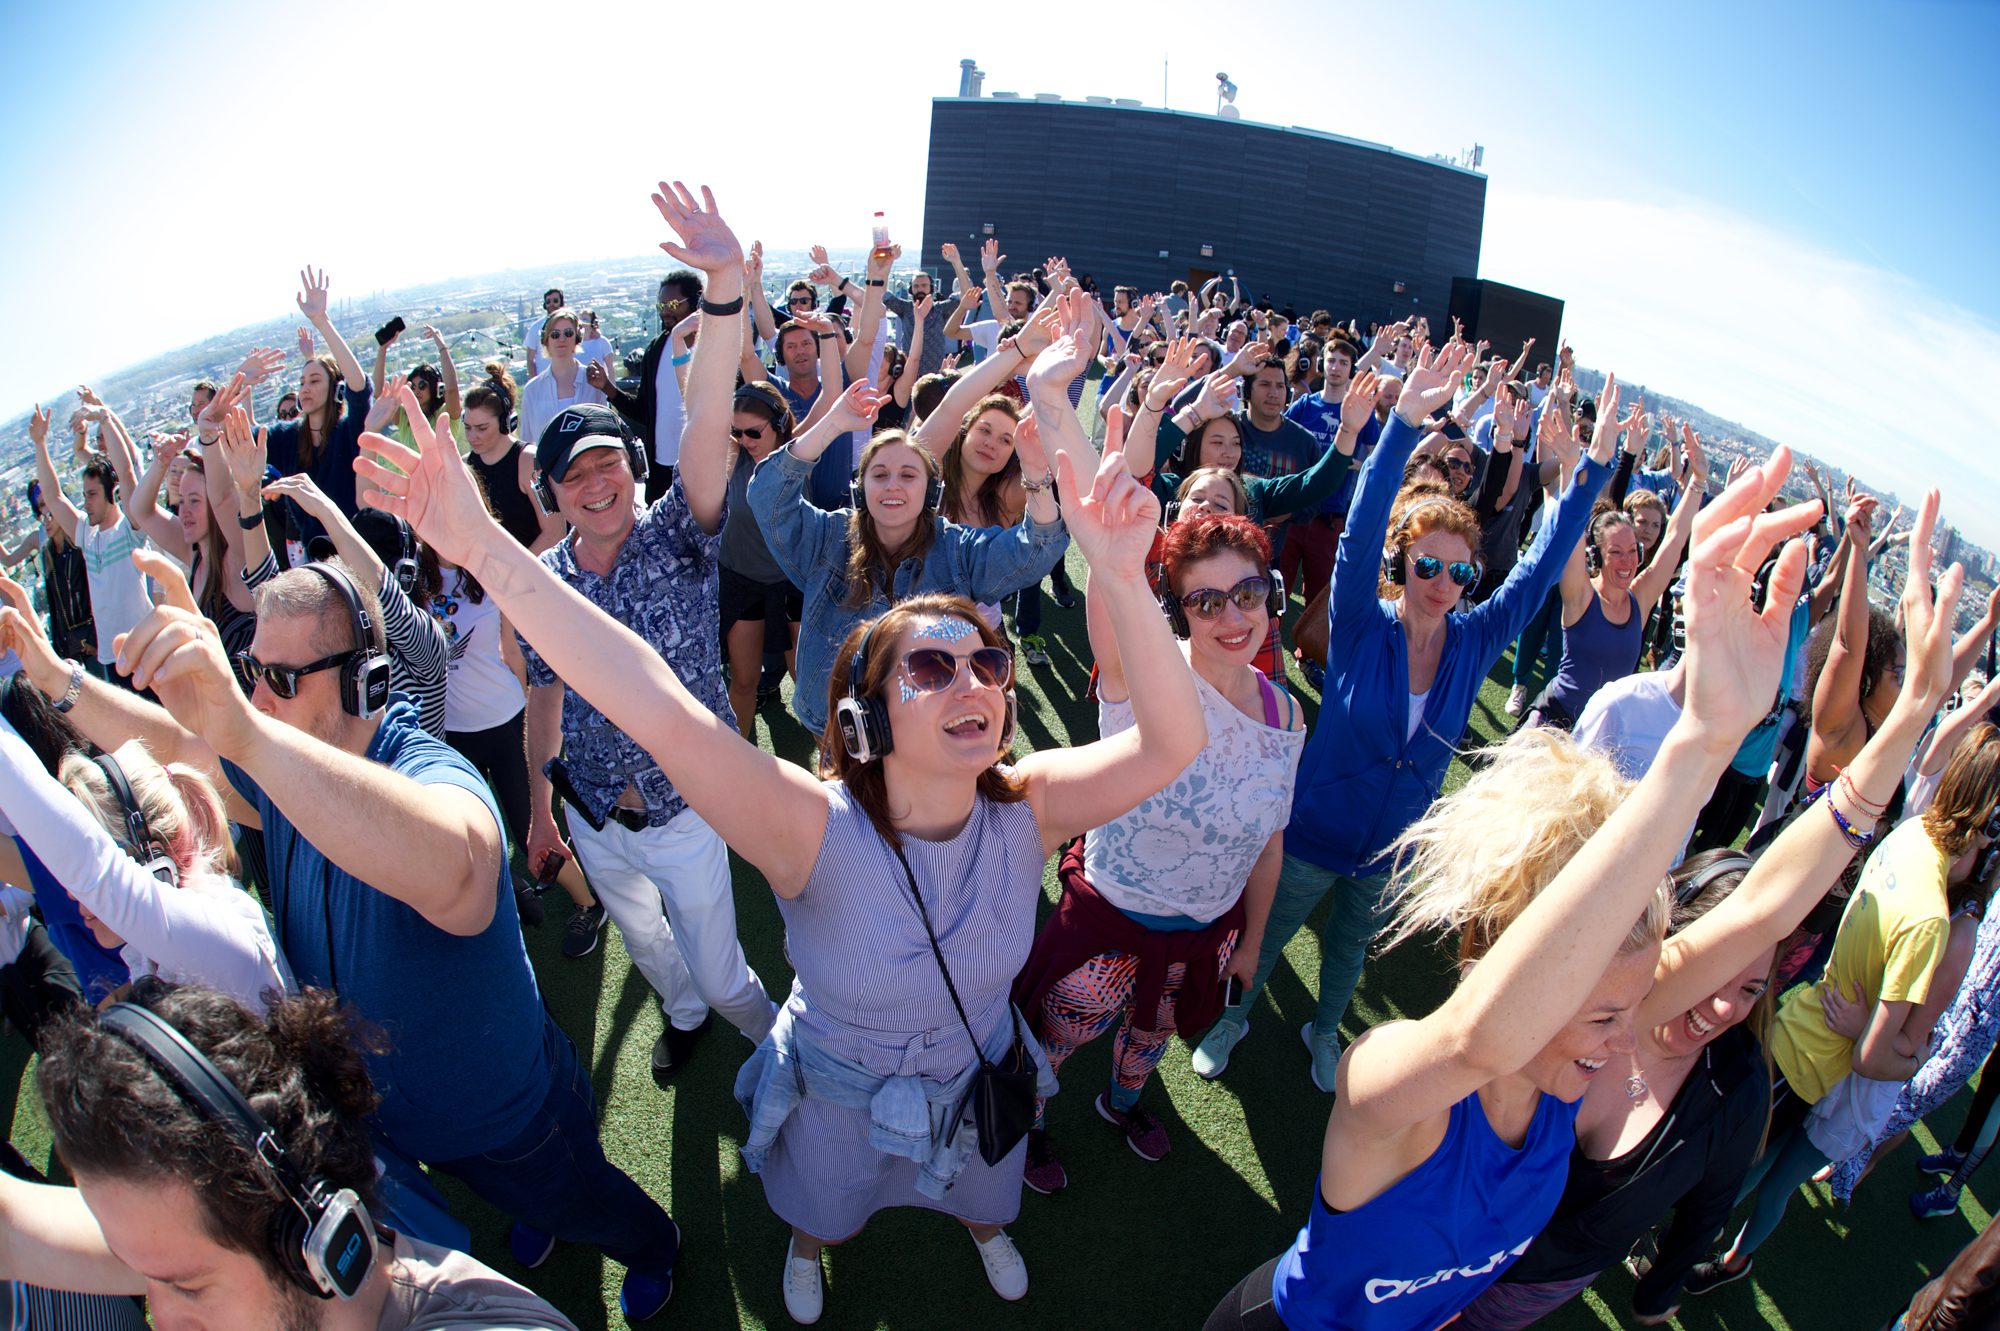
x: 663, y: 588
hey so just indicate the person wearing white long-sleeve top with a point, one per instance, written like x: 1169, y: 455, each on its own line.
x: 206, y: 929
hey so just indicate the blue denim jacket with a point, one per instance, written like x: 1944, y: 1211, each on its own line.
x: 909, y: 1117
x: 810, y: 544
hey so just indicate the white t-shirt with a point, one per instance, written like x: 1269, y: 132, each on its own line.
x: 670, y: 413
x: 481, y: 690
x: 597, y: 349
x: 1416, y: 717
x: 118, y: 599
x: 983, y: 334
x: 432, y: 1288
x: 542, y: 401
x: 1627, y: 720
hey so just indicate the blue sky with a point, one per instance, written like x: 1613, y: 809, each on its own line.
x: 1784, y: 212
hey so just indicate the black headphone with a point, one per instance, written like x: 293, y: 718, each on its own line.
x: 406, y: 569
x: 1689, y: 892
x: 364, y: 676
x: 863, y: 722
x: 140, y: 843
x: 1170, y: 601
x: 1394, y: 556
x: 933, y: 490
x: 635, y: 455
x: 325, y: 1241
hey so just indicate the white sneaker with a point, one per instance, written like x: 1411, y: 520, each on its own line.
x: 1211, y: 1056
x: 1517, y: 701
x: 805, y: 1296
x: 1005, y: 1270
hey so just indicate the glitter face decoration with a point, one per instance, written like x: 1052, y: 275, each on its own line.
x: 904, y: 691
x: 945, y: 628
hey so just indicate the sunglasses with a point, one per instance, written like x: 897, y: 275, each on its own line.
x: 1429, y: 566
x: 562, y: 332
x: 753, y: 432
x: 1207, y: 602
x: 282, y: 680
x: 1458, y: 464
x: 933, y: 669
x: 800, y: 301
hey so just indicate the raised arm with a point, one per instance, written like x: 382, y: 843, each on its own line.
x: 771, y: 809
x: 48, y: 1237
x: 67, y: 515
x: 1836, y: 700
x: 1113, y: 519
x: 142, y: 504
x: 1054, y: 370
x: 1538, y: 974
x: 706, y: 242
x: 1798, y: 868
x: 1306, y: 490
x: 454, y: 406
x: 874, y: 299
x: 1951, y: 732
x: 936, y: 430
x: 1657, y: 576
x: 906, y: 378
x: 1965, y: 652
x: 763, y: 321
x: 312, y: 304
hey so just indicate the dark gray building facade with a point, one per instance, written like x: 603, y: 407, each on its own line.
x: 1144, y: 196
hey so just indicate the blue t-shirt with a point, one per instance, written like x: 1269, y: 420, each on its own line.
x: 467, y: 1066
x: 833, y: 474
x: 99, y: 969
x: 1417, y: 1254
x: 1321, y: 419
x: 1760, y: 746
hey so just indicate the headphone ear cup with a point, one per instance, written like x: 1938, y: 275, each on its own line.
x: 1593, y: 559
x: 1170, y: 602
x: 635, y: 454
x: 1013, y: 720
x: 545, y: 493
x: 1274, y: 600
x: 934, y: 495
x: 854, y: 496
x: 1392, y: 567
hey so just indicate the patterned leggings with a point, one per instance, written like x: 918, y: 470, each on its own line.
x: 1085, y: 1003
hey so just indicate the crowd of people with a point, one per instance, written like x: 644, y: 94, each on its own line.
x: 322, y: 704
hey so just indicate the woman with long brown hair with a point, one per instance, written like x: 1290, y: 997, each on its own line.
x: 334, y: 395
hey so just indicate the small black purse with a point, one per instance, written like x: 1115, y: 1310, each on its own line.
x: 1002, y: 1095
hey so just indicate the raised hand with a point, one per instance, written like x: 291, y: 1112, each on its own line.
x: 706, y: 242
x: 1028, y: 446
x: 949, y: 365
x: 38, y: 426
x: 1557, y: 437
x: 177, y: 653
x: 1173, y: 375
x: 824, y: 276
x: 428, y: 486
x: 950, y: 253
x: 244, y: 453
x: 1697, y: 459
x: 1928, y: 617
x: 312, y: 299
x: 1604, y: 440
x: 230, y: 397
x: 383, y: 409
x: 990, y: 257
x: 1736, y: 652
x: 21, y: 632
x: 1114, y: 519
x: 818, y: 255
x: 302, y: 490
x: 1357, y: 404
x: 305, y: 343
x: 1041, y: 329
x: 598, y: 375
x: 437, y: 339
x: 1056, y: 368
x: 1430, y: 382
x: 753, y: 265
x: 1218, y: 395
x: 817, y: 320
x: 920, y: 307
x: 881, y: 261
x: 856, y: 408
x: 1246, y: 357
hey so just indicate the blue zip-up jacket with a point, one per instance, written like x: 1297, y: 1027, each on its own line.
x: 810, y: 544
x: 1360, y: 781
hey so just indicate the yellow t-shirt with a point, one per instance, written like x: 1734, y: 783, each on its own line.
x: 1891, y: 938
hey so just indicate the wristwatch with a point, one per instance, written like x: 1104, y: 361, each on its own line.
x: 75, y: 689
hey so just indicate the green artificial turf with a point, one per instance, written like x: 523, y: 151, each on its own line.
x: 1129, y: 1244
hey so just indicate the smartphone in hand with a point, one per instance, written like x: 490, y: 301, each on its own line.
x: 390, y: 331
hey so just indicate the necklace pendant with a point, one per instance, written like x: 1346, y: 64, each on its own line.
x: 1635, y: 1087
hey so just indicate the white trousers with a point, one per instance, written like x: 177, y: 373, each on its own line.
x: 678, y: 873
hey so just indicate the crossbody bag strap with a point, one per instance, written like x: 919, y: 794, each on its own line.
x: 937, y: 952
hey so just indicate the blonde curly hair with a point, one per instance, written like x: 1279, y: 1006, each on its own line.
x: 1476, y: 859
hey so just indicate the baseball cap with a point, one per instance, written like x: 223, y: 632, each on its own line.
x: 576, y: 430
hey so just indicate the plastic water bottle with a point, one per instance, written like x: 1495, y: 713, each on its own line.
x: 881, y: 236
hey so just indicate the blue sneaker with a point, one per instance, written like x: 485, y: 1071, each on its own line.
x: 643, y: 1296
x: 1325, y: 1057
x: 1934, y: 1203
x: 530, y: 1246
x: 1942, y: 1165
x: 1315, y: 674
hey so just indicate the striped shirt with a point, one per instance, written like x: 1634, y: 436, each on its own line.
x: 118, y: 597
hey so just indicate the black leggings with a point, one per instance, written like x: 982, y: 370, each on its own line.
x: 1248, y: 1306
x: 500, y: 755
x: 40, y: 985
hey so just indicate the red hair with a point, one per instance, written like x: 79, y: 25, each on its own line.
x: 1196, y: 538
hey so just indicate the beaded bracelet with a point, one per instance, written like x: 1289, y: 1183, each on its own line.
x: 1853, y: 838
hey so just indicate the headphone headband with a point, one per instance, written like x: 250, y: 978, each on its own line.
x: 365, y: 678
x: 1734, y: 862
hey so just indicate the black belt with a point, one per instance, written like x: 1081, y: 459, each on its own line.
x: 632, y: 820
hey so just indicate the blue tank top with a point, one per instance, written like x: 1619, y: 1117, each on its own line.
x: 1411, y: 1258
x: 1595, y: 652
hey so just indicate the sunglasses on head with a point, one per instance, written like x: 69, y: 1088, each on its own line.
x: 1207, y: 602
x: 1429, y: 566
x: 933, y: 669
x: 282, y: 680
x: 749, y: 432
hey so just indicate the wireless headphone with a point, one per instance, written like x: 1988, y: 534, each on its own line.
x: 635, y: 455
x: 364, y: 676
x: 149, y: 850
x: 1170, y: 601
x: 863, y: 722
x: 406, y: 569
x: 933, y: 489
x: 1690, y: 891
x: 325, y: 1241
x: 1394, y: 554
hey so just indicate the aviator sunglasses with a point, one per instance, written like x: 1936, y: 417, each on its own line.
x: 933, y: 669
x: 1207, y: 602
x: 1429, y: 566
